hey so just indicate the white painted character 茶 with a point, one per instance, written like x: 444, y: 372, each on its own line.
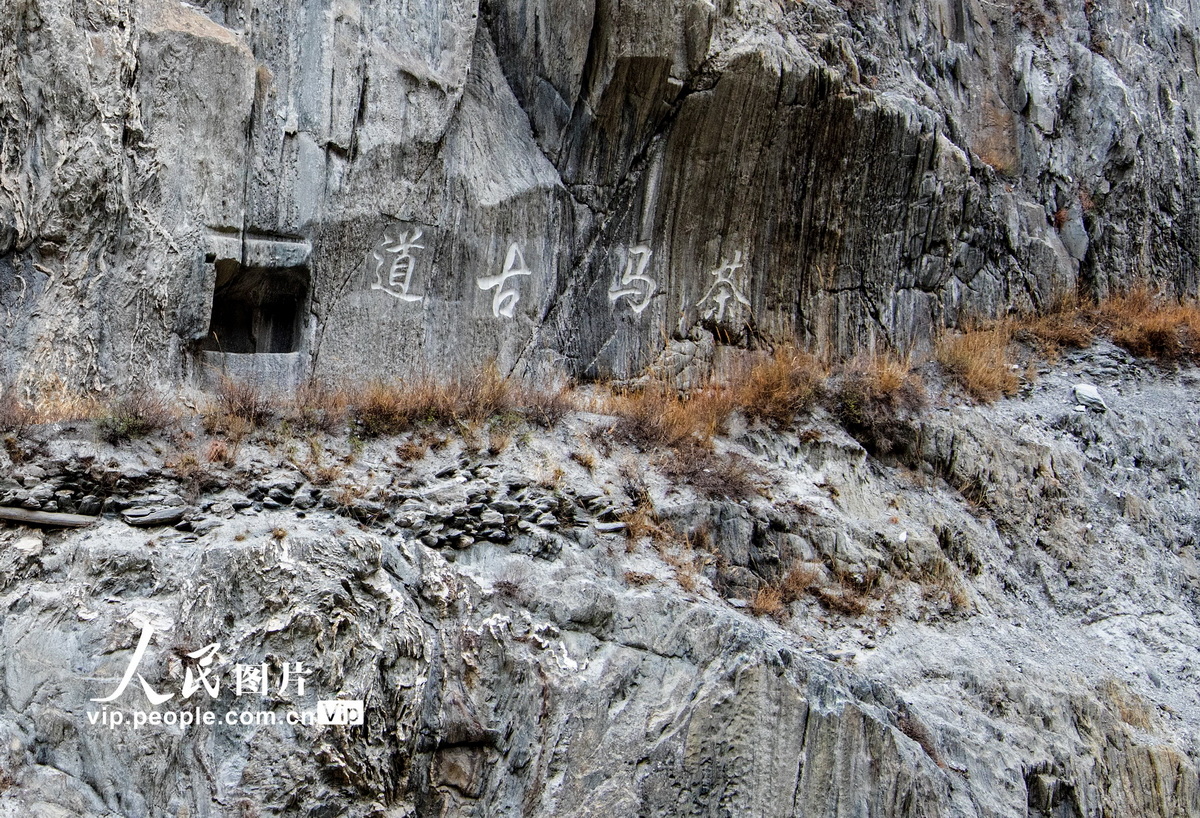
x: 724, y: 288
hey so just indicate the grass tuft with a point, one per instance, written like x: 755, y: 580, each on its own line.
x: 979, y: 360
x: 776, y: 390
x: 136, y: 415
x: 874, y: 400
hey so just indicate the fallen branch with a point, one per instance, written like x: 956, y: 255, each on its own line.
x: 45, y: 518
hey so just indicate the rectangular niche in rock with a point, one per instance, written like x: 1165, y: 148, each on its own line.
x: 260, y: 296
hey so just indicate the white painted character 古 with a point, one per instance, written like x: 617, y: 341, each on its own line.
x: 394, y: 265
x: 504, y: 301
x: 724, y: 288
x: 638, y: 287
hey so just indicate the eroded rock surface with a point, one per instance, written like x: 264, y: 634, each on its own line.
x: 348, y: 189
x: 1001, y: 620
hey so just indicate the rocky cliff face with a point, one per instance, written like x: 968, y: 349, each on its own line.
x: 1003, y: 624
x: 347, y: 189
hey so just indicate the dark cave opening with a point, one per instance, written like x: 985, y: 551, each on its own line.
x: 257, y: 309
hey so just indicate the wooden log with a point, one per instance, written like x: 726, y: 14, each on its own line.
x: 50, y: 519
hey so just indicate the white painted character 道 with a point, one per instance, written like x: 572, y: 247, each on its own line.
x: 399, y: 270
x: 504, y: 301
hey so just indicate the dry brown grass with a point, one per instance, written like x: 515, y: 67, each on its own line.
x: 412, y: 450
x: 314, y: 467
x: 584, y: 458
x: 1142, y: 320
x: 1151, y: 325
x: 778, y: 389
x: 803, y: 577
x: 874, y: 398
x: 49, y: 401
x: 979, y: 360
x: 137, y: 414
x: 642, y: 522
x: 639, y: 578
x: 714, y: 475
x: 219, y: 451
x: 1066, y: 327
x: 657, y: 416
x: 941, y: 583
x: 319, y: 406
x: 842, y: 600
x: 389, y: 408
x: 383, y: 409
x: 768, y: 602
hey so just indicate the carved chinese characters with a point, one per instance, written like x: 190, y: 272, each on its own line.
x: 504, y: 300
x: 394, y: 264
x: 724, y: 288
x: 399, y: 263
x: 636, y: 286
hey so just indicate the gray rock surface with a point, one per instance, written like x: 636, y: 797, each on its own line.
x: 350, y: 190
x: 1000, y: 620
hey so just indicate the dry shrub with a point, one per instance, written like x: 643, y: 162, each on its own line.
x: 187, y: 466
x: 136, y: 415
x: 979, y: 360
x: 843, y: 600
x: 775, y: 391
x: 657, y: 415
x: 318, y: 406
x: 1147, y: 324
x: 639, y: 578
x: 802, y: 577
x: 16, y: 417
x: 730, y: 476
x: 242, y: 400
x: 767, y: 602
x: 874, y: 400
x: 547, y: 408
